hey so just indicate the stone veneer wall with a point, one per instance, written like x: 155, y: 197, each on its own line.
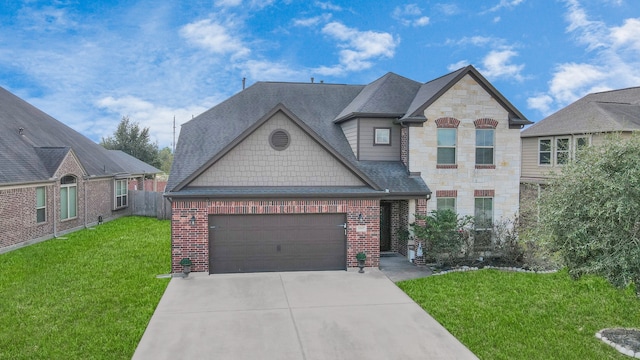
x: 467, y: 102
x: 193, y: 241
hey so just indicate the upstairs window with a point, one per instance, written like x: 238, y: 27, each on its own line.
x: 382, y: 136
x: 544, y: 151
x: 68, y: 198
x: 447, y: 146
x: 484, y: 146
x: 562, y: 153
x: 121, y: 193
x: 41, y: 204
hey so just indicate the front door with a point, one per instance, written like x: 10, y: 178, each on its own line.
x: 385, y: 226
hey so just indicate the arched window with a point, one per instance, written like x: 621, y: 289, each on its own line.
x: 68, y: 197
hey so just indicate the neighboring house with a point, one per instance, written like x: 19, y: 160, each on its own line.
x: 303, y: 176
x: 553, y: 141
x: 54, y: 180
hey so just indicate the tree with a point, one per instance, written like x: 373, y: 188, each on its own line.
x: 591, y: 212
x: 129, y: 138
x: 165, y: 157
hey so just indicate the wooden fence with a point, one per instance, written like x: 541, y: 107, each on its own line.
x: 149, y: 203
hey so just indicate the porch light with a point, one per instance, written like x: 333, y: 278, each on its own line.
x: 360, y: 217
x: 192, y: 221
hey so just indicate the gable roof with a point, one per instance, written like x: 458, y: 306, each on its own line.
x: 609, y: 111
x: 317, y: 108
x: 389, y: 96
x: 432, y: 90
x: 32, y: 145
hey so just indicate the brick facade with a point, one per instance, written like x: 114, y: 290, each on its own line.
x: 18, y: 207
x: 192, y: 241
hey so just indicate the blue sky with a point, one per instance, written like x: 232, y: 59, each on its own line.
x: 88, y: 63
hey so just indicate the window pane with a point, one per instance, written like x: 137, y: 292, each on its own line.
x: 72, y: 202
x: 484, y: 137
x: 64, y: 203
x: 382, y: 136
x: 545, y: 158
x: 41, y: 215
x: 446, y: 155
x: 446, y: 204
x: 446, y: 137
x: 484, y: 156
x: 483, y: 212
x: 124, y: 200
x: 545, y: 145
x: 562, y: 145
x: 40, y: 197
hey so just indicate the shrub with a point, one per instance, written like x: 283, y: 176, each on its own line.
x: 444, y: 233
x: 590, y: 212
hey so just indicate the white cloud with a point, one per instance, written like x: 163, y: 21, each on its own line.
x: 359, y: 48
x: 312, y: 21
x: 410, y: 15
x: 541, y: 102
x: 328, y: 6
x: 458, y: 65
x: 269, y: 70
x: 228, y: 3
x: 158, y: 118
x: 614, y: 59
x: 505, y: 4
x: 447, y: 9
x: 627, y: 35
x: 215, y: 36
x: 497, y: 64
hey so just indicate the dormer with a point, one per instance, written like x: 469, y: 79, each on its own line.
x: 369, y: 122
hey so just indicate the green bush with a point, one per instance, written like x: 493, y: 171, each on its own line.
x: 590, y: 212
x: 444, y: 233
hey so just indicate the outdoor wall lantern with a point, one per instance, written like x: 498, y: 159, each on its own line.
x: 192, y: 221
x: 360, y: 217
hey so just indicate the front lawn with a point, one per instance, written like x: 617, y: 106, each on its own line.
x: 89, y: 296
x: 507, y: 315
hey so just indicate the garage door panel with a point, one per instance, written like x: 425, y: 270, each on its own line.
x: 253, y: 243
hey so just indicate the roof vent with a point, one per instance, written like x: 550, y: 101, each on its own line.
x: 279, y: 139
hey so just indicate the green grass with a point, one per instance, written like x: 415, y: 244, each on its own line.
x: 87, y: 297
x: 507, y: 315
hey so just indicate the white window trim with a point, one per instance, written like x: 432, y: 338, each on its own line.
x: 125, y: 195
x: 556, y: 151
x: 551, y: 152
x: 574, y: 148
x: 68, y: 186
x: 455, y: 203
x: 454, y: 147
x: 492, y: 147
x: 492, y: 211
x: 44, y: 206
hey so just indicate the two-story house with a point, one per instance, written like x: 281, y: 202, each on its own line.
x: 553, y: 141
x: 303, y: 176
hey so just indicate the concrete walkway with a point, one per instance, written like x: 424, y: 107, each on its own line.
x: 398, y: 268
x: 294, y: 315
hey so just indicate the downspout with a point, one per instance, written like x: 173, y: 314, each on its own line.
x: 55, y: 228
x: 84, y: 190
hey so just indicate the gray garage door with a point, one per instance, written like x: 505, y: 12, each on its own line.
x: 291, y: 242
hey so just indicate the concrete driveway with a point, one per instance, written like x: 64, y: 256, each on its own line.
x: 293, y: 315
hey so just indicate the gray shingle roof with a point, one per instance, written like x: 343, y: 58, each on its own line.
x: 616, y: 110
x: 34, y: 153
x: 390, y: 96
x: 132, y: 165
x: 318, y: 107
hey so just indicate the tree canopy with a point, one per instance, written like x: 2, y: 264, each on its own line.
x: 591, y: 212
x: 133, y: 140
